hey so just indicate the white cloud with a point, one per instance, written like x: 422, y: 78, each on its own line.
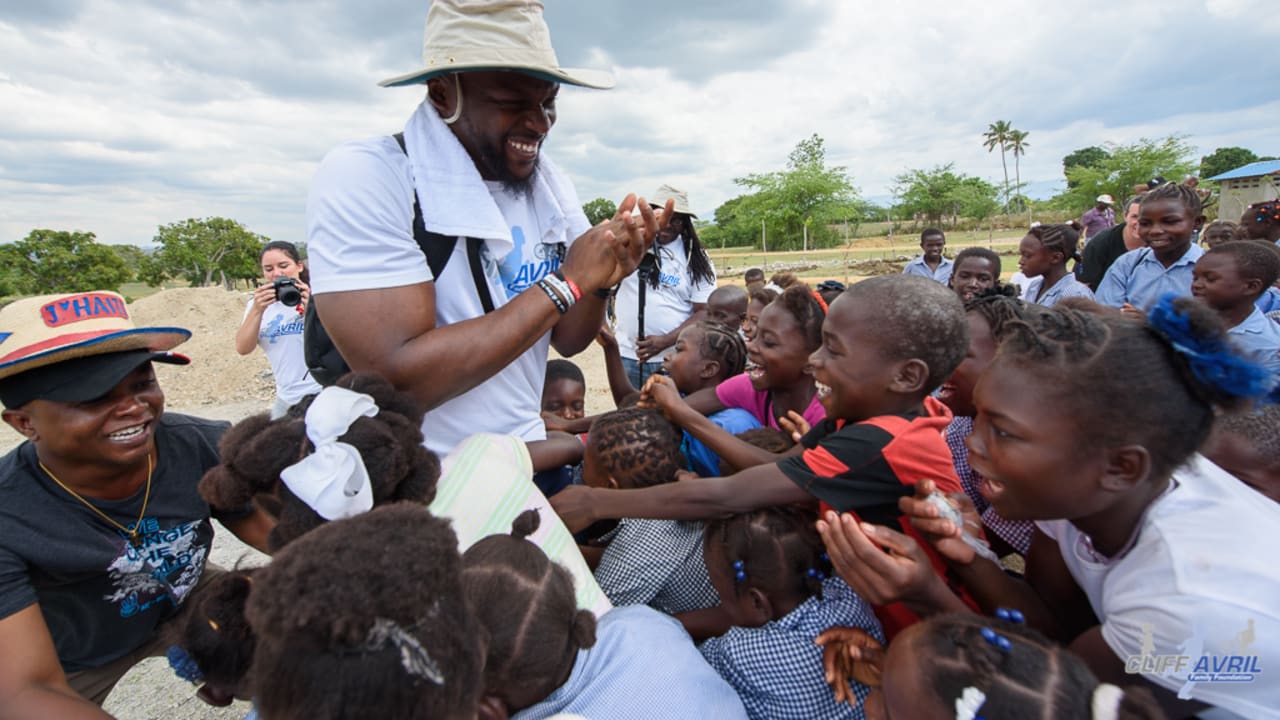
x: 122, y: 116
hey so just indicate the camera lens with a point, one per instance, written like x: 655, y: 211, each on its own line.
x: 287, y: 291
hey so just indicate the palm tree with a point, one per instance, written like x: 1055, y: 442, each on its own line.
x: 1018, y: 144
x: 998, y: 134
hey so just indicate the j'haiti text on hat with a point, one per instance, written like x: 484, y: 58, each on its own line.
x: 75, y: 347
x: 464, y: 35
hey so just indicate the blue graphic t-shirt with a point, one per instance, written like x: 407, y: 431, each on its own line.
x: 101, y: 595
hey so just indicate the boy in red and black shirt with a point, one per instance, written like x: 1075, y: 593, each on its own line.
x: 888, y: 342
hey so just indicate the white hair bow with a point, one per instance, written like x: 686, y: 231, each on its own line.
x: 333, y: 480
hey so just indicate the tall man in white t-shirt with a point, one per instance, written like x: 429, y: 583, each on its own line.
x: 677, y: 281
x: 472, y: 161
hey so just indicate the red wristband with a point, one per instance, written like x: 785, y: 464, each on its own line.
x: 573, y: 286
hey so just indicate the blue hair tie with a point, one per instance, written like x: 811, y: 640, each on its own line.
x: 184, y: 666
x: 996, y: 639
x: 816, y: 574
x: 739, y: 573
x: 1212, y: 360
x: 1012, y: 615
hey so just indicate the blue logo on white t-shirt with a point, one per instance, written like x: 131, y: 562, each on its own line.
x: 278, y: 328
x: 519, y: 272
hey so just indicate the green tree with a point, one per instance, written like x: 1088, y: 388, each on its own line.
x: 132, y: 255
x: 1084, y: 157
x: 61, y: 261
x: 202, y: 250
x: 1127, y: 166
x: 939, y: 193
x: 1224, y: 159
x: 998, y: 135
x: 599, y: 210
x: 1018, y: 146
x: 797, y: 202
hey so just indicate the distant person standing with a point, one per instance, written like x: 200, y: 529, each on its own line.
x: 931, y: 264
x: 1099, y: 217
x: 1109, y: 245
x: 666, y: 294
x: 275, y: 326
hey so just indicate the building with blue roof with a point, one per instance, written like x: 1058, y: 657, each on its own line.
x: 1246, y: 185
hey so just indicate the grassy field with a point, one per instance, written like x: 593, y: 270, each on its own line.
x: 834, y: 263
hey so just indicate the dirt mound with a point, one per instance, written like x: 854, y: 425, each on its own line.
x: 875, y: 267
x: 217, y: 375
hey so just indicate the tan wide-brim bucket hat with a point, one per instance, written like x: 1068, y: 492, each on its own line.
x: 476, y: 35
x: 666, y: 192
x: 40, y: 331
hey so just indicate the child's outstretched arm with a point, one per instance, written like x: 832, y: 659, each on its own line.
x: 558, y: 449
x: 1050, y: 598
x: 739, y: 453
x: 619, y: 385
x: 691, y: 499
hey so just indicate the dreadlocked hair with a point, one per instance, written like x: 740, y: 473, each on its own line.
x: 724, y: 345
x: 798, y: 300
x: 697, y: 262
x: 1033, y: 678
x: 213, y: 630
x: 366, y: 618
x: 1188, y: 196
x: 256, y: 450
x: 979, y: 252
x: 638, y: 447
x: 1254, y: 260
x: 1059, y: 238
x: 1087, y: 359
x: 919, y: 318
x: 527, y: 604
x: 778, y: 547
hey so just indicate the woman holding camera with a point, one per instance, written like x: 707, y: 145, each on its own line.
x: 667, y: 293
x: 273, y: 322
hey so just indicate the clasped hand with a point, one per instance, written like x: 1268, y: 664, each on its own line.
x: 612, y: 250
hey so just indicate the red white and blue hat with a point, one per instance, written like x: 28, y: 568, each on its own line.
x: 50, y: 330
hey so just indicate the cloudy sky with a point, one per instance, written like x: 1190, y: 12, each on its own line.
x: 117, y: 116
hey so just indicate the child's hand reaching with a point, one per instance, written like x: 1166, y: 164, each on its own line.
x: 795, y: 424
x: 881, y: 565
x: 850, y: 654
x: 606, y: 339
x: 659, y: 392
x: 1132, y: 312
x: 573, y: 505
x: 954, y: 543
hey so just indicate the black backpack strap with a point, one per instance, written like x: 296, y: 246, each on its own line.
x: 439, y: 248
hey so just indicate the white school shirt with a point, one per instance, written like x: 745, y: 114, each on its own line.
x: 280, y: 337
x: 666, y: 306
x: 1197, y: 582
x: 360, y: 236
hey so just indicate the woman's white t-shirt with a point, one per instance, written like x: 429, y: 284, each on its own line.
x: 1198, y: 582
x: 280, y: 337
x: 666, y: 307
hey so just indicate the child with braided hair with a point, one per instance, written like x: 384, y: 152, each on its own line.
x: 777, y: 588
x: 1043, y: 256
x: 646, y: 562
x: 1218, y: 232
x: 1143, y: 548
x: 1168, y: 218
x: 360, y: 447
x: 546, y: 656
x: 1261, y: 221
x: 366, y: 618
x: 965, y: 666
x: 777, y: 388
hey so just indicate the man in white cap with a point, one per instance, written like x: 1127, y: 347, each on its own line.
x: 470, y: 166
x: 1099, y: 217
x: 668, y: 294
x: 102, y: 533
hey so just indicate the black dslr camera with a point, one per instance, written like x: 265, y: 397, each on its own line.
x: 287, y: 291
